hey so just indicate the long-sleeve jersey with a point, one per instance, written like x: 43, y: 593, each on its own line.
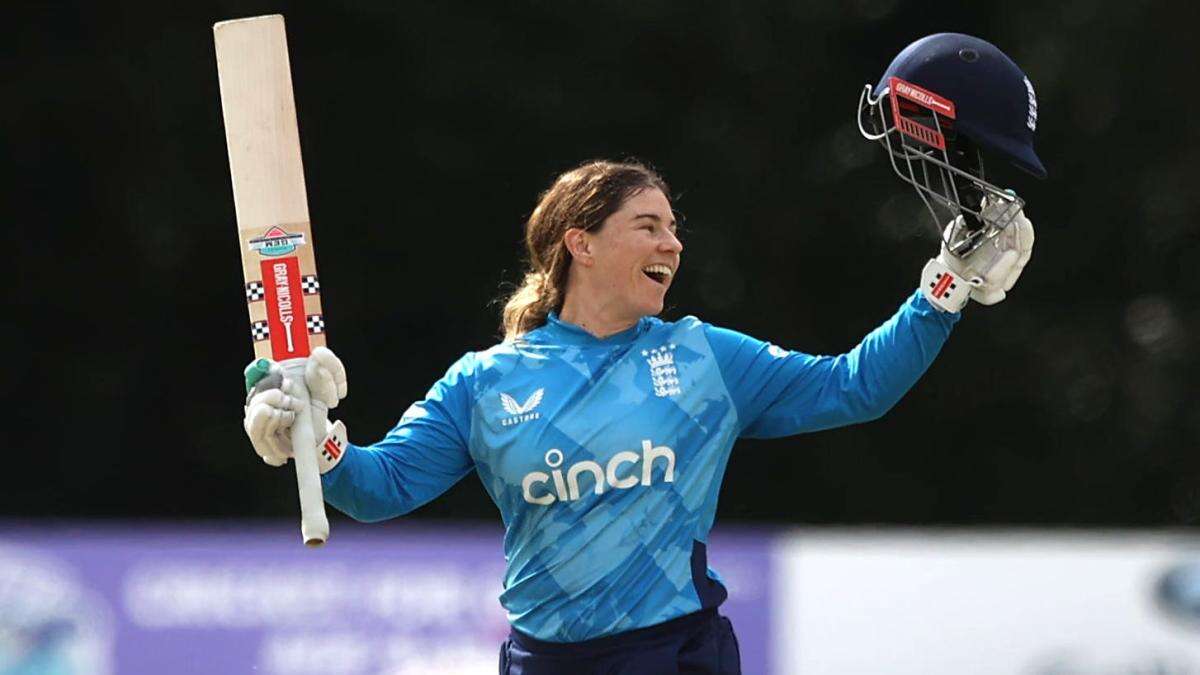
x: 605, y: 455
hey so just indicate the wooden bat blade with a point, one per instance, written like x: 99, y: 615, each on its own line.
x: 269, y: 194
x: 274, y: 234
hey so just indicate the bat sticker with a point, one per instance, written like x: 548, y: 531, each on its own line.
x: 276, y: 242
x: 285, y: 308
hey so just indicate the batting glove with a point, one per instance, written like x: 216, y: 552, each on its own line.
x: 325, y: 377
x: 272, y: 404
x: 986, y: 274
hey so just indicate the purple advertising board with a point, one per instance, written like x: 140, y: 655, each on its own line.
x: 393, y: 599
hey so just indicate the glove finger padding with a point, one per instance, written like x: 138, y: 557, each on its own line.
x: 268, y: 421
x: 279, y: 450
x: 990, y: 293
x: 1023, y: 234
x: 325, y: 377
x: 268, y: 446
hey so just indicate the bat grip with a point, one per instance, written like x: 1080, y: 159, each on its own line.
x: 314, y: 525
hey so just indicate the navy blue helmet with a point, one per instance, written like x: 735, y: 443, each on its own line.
x: 945, y: 103
x: 995, y: 101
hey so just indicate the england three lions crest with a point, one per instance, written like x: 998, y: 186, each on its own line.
x: 663, y: 375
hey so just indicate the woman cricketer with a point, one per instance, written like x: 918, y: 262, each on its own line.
x: 602, y: 432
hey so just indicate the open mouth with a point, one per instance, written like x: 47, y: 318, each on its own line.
x: 659, y: 274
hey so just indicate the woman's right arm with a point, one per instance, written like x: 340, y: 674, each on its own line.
x: 420, y: 458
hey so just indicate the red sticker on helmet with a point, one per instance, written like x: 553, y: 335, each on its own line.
x: 899, y: 89
x: 926, y: 98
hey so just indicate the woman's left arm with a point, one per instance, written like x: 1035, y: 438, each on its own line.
x: 779, y: 392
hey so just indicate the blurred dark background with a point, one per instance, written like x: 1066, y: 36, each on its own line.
x: 429, y: 128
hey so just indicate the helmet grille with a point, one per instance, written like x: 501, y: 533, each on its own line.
x: 944, y: 166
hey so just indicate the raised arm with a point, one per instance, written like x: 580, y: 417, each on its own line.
x: 779, y: 392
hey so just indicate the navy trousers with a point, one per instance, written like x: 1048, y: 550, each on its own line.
x: 696, y: 644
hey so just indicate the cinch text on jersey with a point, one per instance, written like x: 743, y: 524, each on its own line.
x: 614, y: 474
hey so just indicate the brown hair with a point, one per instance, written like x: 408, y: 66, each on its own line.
x: 583, y: 197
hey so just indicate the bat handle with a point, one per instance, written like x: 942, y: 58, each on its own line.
x: 314, y: 525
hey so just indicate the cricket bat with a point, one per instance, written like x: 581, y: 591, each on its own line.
x: 282, y: 292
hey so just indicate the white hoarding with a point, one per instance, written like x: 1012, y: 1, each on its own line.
x: 1024, y: 603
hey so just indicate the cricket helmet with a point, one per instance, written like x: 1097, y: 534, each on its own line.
x: 944, y: 103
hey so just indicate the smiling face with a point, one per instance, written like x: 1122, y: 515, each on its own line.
x: 626, y: 265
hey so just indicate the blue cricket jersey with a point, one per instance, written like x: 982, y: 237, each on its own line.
x: 605, y: 456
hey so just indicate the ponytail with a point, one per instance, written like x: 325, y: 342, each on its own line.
x: 526, y: 308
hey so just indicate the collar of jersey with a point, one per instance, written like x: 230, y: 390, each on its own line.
x: 562, y: 332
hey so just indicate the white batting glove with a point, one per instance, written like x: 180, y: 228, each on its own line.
x: 986, y: 274
x: 325, y: 377
x: 268, y: 422
x: 272, y: 404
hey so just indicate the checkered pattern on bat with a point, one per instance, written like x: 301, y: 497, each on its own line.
x: 315, y: 323
x: 259, y: 331
x: 309, y: 284
x: 254, y: 291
